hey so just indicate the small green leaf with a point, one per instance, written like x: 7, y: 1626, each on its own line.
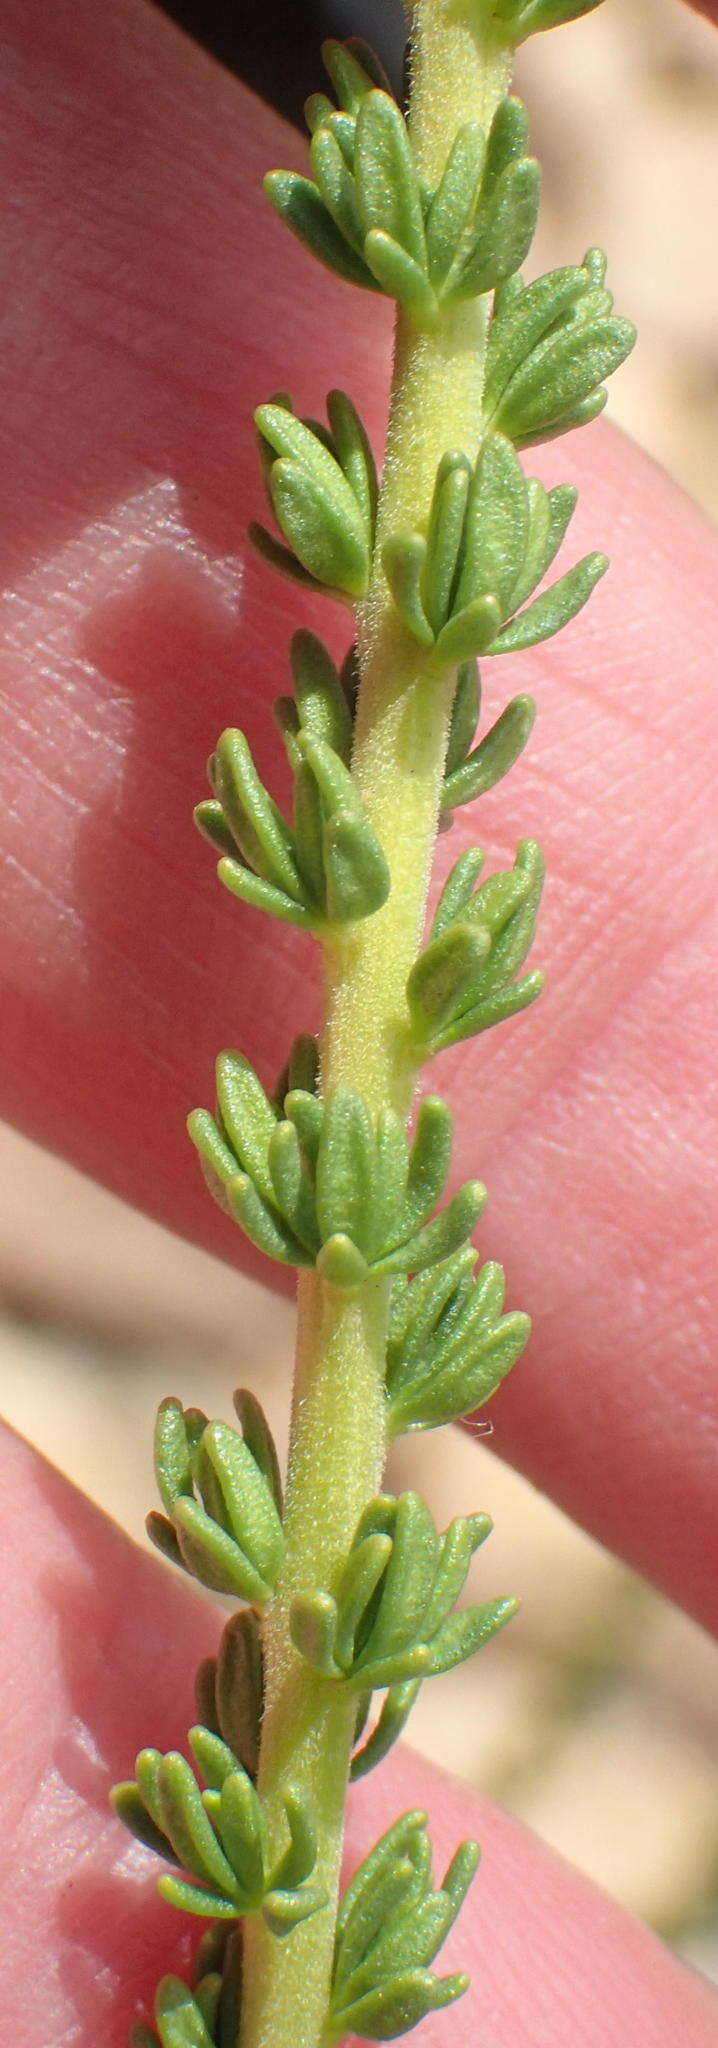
x: 196, y: 1898
x: 345, y: 1169
x: 400, y: 276
x: 494, y: 756
x: 535, y: 15
x: 283, y: 1911
x: 256, y: 824
x: 386, y: 182
x: 496, y: 527
x: 164, y: 1537
x: 354, y: 70
x: 247, y: 1117
x: 318, y: 108
x: 393, y: 1716
x: 393, y: 2009
x: 494, y: 1009
x: 553, y: 610
x: 307, y: 1115
x: 252, y: 1419
x: 188, y: 1828
x: 406, y: 1584
x: 336, y: 185
x: 445, y: 537
x: 239, y: 1688
x: 211, y: 822
x: 459, y: 1380
x: 313, y: 1626
x: 212, y: 1147
x: 298, y: 1860
x: 247, y: 1497
x: 287, y: 563
x: 148, y: 1765
x: 293, y: 1191
x: 429, y: 1159
x: 212, y: 1756
x: 536, y: 547
x: 353, y: 451
x: 359, y: 1580
x: 444, y: 973
x: 403, y: 558
x: 358, y: 880
x: 469, y: 633
x: 238, y: 1819
x: 130, y: 1808
x: 253, y: 890
x: 300, y: 1072
x: 263, y: 1226
x: 454, y: 200
x: 467, y: 1632
x: 314, y: 503
x: 505, y: 231
x: 464, y: 716
x: 307, y: 818
x: 179, y: 2018
x: 341, y: 1263
x: 440, y: 1237
x: 562, y: 502
x: 321, y: 703
x: 300, y: 206
x: 214, y: 1557
x: 172, y: 1453
x: 580, y: 416
x: 314, y: 521
x: 508, y: 140
x: 458, y: 890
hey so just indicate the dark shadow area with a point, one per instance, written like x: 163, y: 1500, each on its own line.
x: 275, y: 48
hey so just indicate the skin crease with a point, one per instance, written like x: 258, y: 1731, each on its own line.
x: 146, y: 315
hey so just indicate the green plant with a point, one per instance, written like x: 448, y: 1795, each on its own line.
x: 348, y: 1593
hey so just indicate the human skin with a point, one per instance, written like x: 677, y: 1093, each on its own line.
x: 151, y: 303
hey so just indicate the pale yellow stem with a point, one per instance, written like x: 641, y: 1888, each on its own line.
x: 338, y: 1432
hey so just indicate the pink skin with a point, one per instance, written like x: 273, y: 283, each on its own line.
x: 147, y: 314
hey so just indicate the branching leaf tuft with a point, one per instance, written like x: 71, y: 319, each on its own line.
x: 390, y: 1927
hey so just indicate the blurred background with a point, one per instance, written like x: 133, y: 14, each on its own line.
x: 595, y: 1716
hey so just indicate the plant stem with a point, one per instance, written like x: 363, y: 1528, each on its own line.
x: 338, y: 1431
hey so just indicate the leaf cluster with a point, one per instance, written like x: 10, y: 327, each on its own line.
x: 367, y: 217
x: 322, y: 487
x: 222, y: 1499
x: 450, y: 1344
x: 390, y: 1927
x: 462, y: 587
x: 326, y: 868
x: 463, y: 981
x: 389, y: 1617
x: 551, y: 345
x: 325, y: 1184
x: 217, y: 1838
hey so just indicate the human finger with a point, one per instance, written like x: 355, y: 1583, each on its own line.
x: 146, y: 316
